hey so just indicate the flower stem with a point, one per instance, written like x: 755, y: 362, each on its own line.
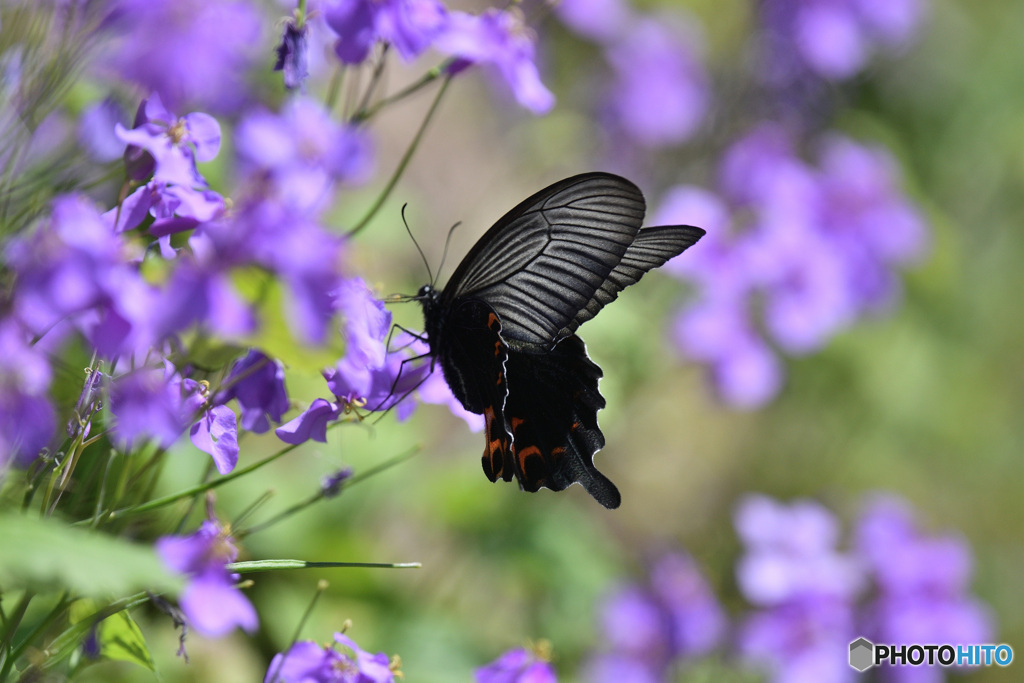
x: 403, y: 163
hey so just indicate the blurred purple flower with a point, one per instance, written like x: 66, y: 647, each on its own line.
x: 27, y: 418
x: 833, y: 38
x: 210, y: 600
x: 517, y: 666
x: 307, y: 662
x: 331, y: 485
x: 660, y: 92
x: 409, y: 25
x: 696, y: 620
x: 793, y: 571
x: 791, y: 552
x: 191, y: 52
x: 147, y: 404
x: 648, y: 629
x: 600, y: 20
x: 801, y: 640
x: 302, y: 152
x: 815, y: 247
x: 257, y: 382
x: 501, y: 40
x: 74, y: 267
x: 292, y: 55
x: 159, y: 403
x: 922, y: 585
x: 96, y: 130
x: 305, y: 256
x: 621, y: 668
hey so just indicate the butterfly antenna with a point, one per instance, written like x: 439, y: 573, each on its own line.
x: 430, y: 275
x: 444, y: 254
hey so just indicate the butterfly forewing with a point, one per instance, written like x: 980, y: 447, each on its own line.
x: 541, y: 264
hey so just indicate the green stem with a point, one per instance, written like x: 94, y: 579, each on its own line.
x: 7, y: 655
x: 427, y: 78
x: 319, y: 495
x: 202, y: 488
x: 403, y: 163
x: 273, y: 565
x: 320, y: 588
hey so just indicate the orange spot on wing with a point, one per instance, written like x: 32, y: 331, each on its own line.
x: 558, y: 451
x: 492, y: 321
x: 501, y: 377
x: 516, y: 421
x: 527, y: 452
x: 497, y: 348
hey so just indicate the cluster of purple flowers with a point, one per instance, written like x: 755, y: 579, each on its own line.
x: 832, y: 39
x: 650, y: 628
x: 795, y: 254
x: 658, y: 93
x: 308, y: 662
x: 809, y: 599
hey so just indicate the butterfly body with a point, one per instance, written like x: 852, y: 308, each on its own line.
x: 504, y: 329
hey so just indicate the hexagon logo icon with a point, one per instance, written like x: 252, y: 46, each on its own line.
x: 862, y: 654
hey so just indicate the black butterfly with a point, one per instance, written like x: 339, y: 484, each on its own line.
x: 504, y: 329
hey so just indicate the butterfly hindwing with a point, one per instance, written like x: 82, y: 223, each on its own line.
x: 651, y: 249
x: 551, y: 410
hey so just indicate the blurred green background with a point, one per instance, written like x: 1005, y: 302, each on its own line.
x: 927, y: 403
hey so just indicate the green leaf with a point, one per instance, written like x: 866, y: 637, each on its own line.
x: 41, y: 554
x: 118, y: 636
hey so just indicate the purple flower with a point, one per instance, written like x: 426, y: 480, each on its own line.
x: 216, y: 433
x: 27, y: 418
x: 812, y: 247
x: 922, y: 585
x: 292, y: 57
x: 257, y: 382
x: 600, y: 20
x: 147, y: 403
x: 801, y: 640
x: 517, y: 666
x: 791, y: 552
x: 833, y: 38
x: 74, y: 267
x: 409, y: 25
x: 331, y: 484
x: 175, y: 144
x: 96, y: 130
x: 158, y: 403
x: 500, y: 40
x: 621, y: 668
x: 311, y: 423
x: 210, y: 600
x: 805, y: 586
x: 302, y: 152
x: 307, y: 662
x: 190, y: 51
x: 660, y: 92
x: 649, y: 628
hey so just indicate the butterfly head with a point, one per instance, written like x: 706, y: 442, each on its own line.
x: 428, y: 295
